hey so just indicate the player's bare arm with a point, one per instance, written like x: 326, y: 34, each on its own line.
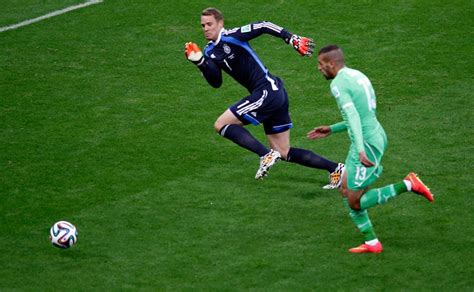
x: 319, y: 132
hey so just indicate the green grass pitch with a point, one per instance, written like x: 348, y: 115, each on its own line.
x: 105, y: 124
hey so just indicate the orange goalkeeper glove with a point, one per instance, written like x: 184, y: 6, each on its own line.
x: 303, y: 45
x: 193, y: 53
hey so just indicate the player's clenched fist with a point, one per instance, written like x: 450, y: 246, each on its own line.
x: 303, y: 45
x: 193, y: 53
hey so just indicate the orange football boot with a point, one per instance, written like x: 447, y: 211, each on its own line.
x: 365, y: 248
x: 418, y: 187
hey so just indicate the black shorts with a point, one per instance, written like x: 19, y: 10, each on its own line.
x: 268, y: 106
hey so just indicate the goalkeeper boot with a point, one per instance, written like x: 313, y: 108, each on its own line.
x: 418, y: 187
x: 266, y: 162
x: 335, y: 177
x: 366, y: 248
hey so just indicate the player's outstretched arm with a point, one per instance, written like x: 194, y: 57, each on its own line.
x: 303, y: 45
x: 319, y: 132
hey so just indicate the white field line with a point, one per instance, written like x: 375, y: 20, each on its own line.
x: 49, y: 15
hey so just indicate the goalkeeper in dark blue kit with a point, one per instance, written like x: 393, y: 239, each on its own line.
x: 267, y: 104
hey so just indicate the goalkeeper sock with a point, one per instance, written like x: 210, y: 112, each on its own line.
x: 310, y: 159
x: 240, y: 136
x: 381, y: 195
x: 362, y: 221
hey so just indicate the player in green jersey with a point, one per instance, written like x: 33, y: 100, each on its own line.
x: 356, y: 100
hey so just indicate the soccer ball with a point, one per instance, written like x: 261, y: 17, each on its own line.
x: 63, y: 234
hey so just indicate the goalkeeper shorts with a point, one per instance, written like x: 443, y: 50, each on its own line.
x: 267, y: 106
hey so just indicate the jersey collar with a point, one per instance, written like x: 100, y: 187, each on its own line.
x: 341, y: 70
x: 220, y: 35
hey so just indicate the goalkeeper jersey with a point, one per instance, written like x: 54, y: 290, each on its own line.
x: 356, y: 100
x: 232, y: 53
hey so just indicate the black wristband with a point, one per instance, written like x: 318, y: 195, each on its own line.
x: 286, y: 35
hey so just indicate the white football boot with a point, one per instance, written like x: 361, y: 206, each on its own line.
x: 266, y: 162
x: 335, y: 177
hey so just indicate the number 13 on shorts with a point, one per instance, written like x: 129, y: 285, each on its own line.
x: 358, y: 178
x: 361, y: 173
x: 361, y: 176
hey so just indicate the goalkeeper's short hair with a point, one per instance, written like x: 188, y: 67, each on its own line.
x: 214, y: 12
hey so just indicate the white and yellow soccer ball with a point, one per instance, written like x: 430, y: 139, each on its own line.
x: 63, y: 234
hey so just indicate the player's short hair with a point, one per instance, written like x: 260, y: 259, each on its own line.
x: 328, y: 49
x: 333, y: 53
x: 214, y: 12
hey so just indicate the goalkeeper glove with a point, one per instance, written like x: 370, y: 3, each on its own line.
x: 303, y: 45
x: 193, y: 53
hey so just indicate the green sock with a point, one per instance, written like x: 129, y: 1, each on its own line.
x: 381, y: 195
x: 362, y: 221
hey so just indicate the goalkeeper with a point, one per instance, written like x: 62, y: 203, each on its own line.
x: 267, y: 104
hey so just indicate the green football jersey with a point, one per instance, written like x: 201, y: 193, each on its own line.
x: 356, y: 100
